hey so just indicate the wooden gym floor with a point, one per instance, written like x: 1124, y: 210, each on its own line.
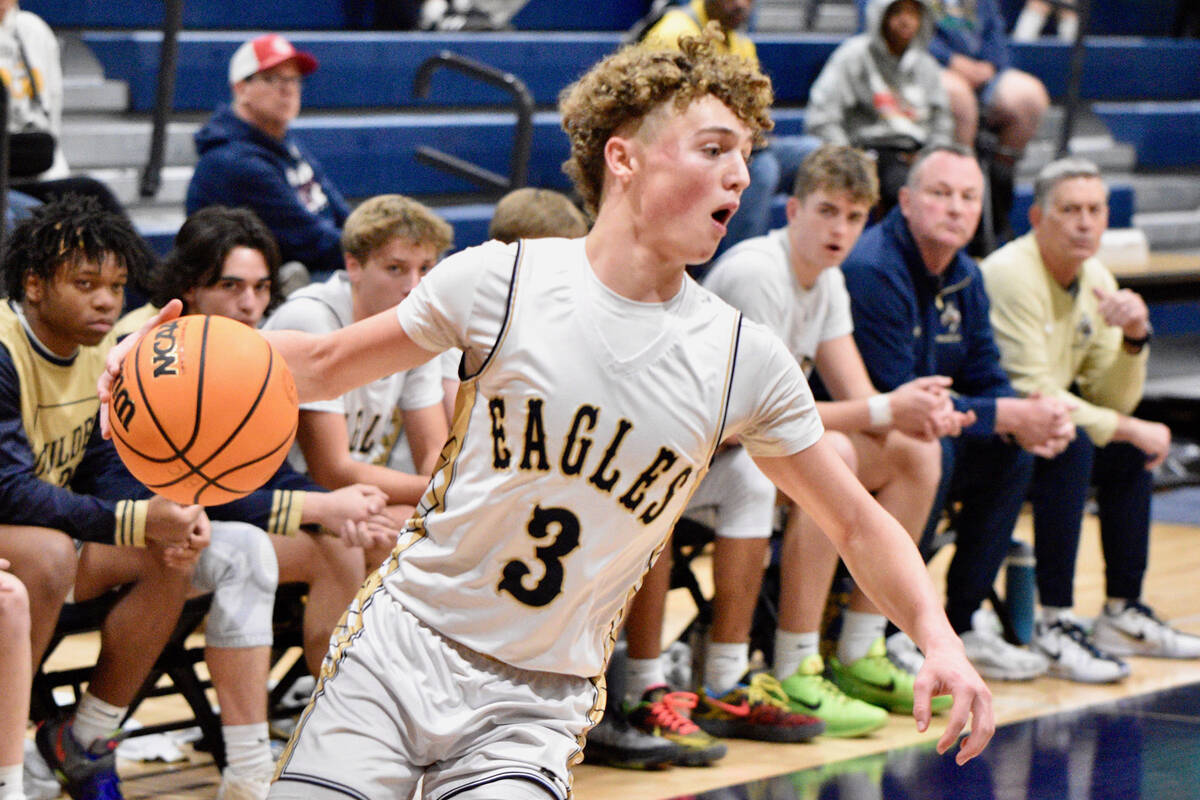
x: 1057, y: 739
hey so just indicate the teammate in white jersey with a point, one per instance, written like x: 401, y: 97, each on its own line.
x: 387, y: 433
x: 789, y: 280
x: 598, y: 382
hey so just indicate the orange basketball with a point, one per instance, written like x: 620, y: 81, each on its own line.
x: 204, y: 411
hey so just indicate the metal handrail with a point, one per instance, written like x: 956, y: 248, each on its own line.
x: 164, y: 97
x: 4, y: 142
x: 1083, y: 8
x: 522, y: 141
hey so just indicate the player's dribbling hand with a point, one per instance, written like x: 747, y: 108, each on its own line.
x: 116, y: 356
x: 947, y: 671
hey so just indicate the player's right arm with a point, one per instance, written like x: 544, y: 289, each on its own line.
x: 324, y: 366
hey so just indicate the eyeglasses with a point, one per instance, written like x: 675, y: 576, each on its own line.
x: 273, y: 80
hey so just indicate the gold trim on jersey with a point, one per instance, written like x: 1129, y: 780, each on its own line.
x: 287, y: 509
x: 388, y: 440
x: 131, y: 523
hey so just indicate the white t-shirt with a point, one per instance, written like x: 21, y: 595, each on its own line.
x: 374, y: 413
x: 756, y: 277
x: 577, y: 446
x: 24, y: 113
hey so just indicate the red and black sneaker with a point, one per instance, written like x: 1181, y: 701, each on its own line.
x: 665, y: 713
x: 759, y: 710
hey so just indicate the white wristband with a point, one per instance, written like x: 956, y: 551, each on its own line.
x: 879, y: 407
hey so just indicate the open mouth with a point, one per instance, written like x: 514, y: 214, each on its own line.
x: 723, y: 215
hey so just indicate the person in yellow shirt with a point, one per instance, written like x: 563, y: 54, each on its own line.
x: 1066, y: 330
x: 773, y: 168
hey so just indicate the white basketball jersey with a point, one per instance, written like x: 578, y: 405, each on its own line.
x: 567, y: 465
x: 374, y: 413
x: 756, y: 277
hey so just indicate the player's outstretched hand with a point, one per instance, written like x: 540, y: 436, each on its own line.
x: 947, y: 671
x: 5, y: 563
x: 116, y: 356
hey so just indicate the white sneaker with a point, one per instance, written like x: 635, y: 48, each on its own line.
x: 1073, y: 656
x: 903, y: 652
x: 38, y: 780
x: 995, y: 658
x: 1136, y: 631
x: 243, y: 787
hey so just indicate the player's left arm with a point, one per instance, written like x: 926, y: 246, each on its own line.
x: 884, y: 561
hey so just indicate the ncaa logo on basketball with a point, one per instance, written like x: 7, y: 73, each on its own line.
x: 165, y: 346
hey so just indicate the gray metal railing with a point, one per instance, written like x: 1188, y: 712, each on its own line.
x: 164, y: 98
x: 3, y: 168
x: 1073, y: 101
x: 486, y: 179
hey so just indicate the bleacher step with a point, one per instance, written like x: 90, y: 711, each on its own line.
x: 1170, y: 230
x: 82, y: 94
x: 1165, y: 192
x: 126, y: 183
x: 107, y: 142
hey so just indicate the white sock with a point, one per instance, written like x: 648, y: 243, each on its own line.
x: 1114, y: 605
x: 1052, y: 614
x: 859, y: 632
x: 12, y: 786
x: 248, y: 749
x: 791, y: 649
x: 724, y: 665
x: 95, y: 720
x: 640, y: 675
x: 1028, y: 25
x: 1068, y: 27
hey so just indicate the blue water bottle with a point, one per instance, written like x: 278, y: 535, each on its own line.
x: 1020, y: 589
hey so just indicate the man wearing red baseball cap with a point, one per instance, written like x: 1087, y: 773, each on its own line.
x: 249, y: 159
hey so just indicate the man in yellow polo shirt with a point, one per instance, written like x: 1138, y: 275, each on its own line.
x: 1066, y: 330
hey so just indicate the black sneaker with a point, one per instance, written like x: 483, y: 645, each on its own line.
x: 616, y: 743
x: 89, y: 774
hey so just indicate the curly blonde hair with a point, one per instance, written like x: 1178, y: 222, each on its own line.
x: 629, y: 84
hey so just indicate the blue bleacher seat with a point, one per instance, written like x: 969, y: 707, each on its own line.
x: 1165, y: 135
x: 376, y: 70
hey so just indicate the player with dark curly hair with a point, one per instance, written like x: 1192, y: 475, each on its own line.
x: 66, y: 271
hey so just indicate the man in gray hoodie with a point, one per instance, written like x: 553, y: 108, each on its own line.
x: 881, y: 91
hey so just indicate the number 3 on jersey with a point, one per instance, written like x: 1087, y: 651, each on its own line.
x: 565, y: 525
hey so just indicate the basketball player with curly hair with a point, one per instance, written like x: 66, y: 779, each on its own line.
x: 598, y: 382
